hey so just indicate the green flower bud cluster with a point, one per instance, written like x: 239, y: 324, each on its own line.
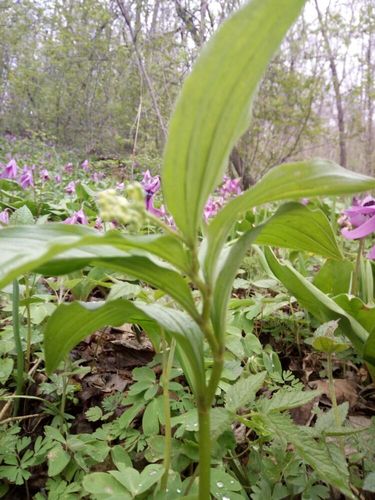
x: 129, y: 210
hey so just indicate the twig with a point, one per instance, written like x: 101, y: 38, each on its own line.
x: 142, y: 67
x: 23, y: 417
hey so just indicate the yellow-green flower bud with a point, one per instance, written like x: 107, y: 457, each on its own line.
x: 125, y: 211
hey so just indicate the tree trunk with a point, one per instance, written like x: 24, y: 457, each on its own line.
x: 336, y: 88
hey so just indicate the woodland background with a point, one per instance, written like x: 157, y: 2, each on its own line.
x: 100, y: 77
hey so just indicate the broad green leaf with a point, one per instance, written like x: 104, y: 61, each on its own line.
x: 58, y: 459
x: 286, y: 400
x: 325, y: 340
x: 369, y: 482
x: 94, y: 414
x: 369, y: 349
x: 156, y: 447
x: 334, y: 277
x: 213, y: 109
x: 297, y: 227
x: 325, y: 458
x: 221, y: 419
x: 363, y: 313
x: 293, y: 226
x: 157, y: 274
x: 137, y: 483
x: 102, y: 486
x: 9, y: 186
x: 20, y: 216
x: 285, y: 182
x: 327, y: 420
x: 230, y: 261
x: 71, y: 323
x: 6, y: 368
x: 315, y: 301
x: 120, y: 456
x: 150, y: 419
x: 25, y: 248
x: 222, y: 484
x: 243, y: 391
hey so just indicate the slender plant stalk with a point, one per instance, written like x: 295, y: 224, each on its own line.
x: 357, y: 269
x: 191, y: 480
x: 63, y: 395
x: 167, y: 366
x: 18, y: 343
x: 332, y: 392
x: 28, y: 320
x: 204, y: 450
x: 205, y: 399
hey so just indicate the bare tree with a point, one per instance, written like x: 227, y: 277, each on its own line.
x: 142, y: 67
x: 336, y: 87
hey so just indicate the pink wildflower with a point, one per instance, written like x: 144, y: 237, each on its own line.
x: 78, y: 217
x: 26, y: 178
x: 44, y: 175
x: 85, y: 165
x: 4, y: 217
x: 71, y: 187
x: 361, y: 216
x: 10, y: 171
x: 68, y: 168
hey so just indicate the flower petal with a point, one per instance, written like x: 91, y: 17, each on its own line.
x: 361, y: 231
x: 371, y: 254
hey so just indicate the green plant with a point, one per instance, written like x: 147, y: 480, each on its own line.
x: 210, y: 115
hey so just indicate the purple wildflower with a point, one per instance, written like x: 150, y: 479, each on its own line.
x: 44, y: 175
x: 361, y: 216
x: 120, y: 186
x: 58, y: 179
x: 85, y: 165
x: 151, y: 185
x: 4, y: 217
x: 10, y: 171
x: 212, y: 207
x: 97, y: 176
x: 78, y: 217
x: 68, y: 168
x: 71, y: 187
x: 26, y: 178
x: 98, y: 223
x: 230, y: 187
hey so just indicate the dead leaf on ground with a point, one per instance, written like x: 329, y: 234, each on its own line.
x: 346, y: 390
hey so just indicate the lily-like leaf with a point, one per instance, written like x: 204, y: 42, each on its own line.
x: 287, y: 181
x: 71, y: 323
x: 335, y: 277
x: 297, y: 227
x: 230, y: 261
x: 213, y: 109
x: 61, y: 248
x: 365, y: 315
x: 315, y: 301
x: 293, y: 226
x: 155, y: 273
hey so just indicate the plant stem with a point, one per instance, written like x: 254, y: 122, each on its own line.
x: 18, y: 343
x: 217, y: 369
x: 167, y: 366
x: 63, y: 395
x: 332, y: 392
x: 357, y: 269
x: 204, y: 450
x: 28, y: 319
